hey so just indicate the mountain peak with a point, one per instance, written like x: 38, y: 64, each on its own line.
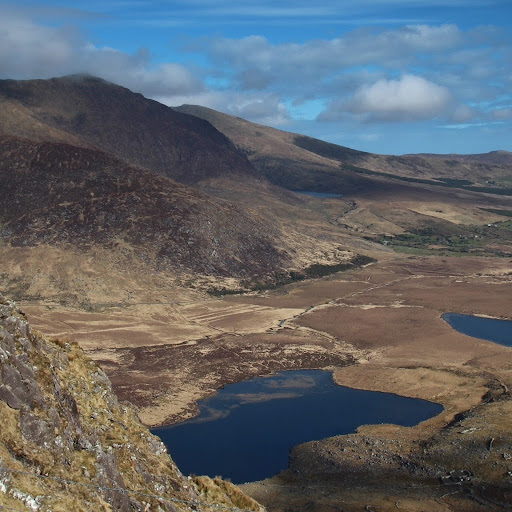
x: 89, y: 111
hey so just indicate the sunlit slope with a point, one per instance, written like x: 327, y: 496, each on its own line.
x: 300, y: 162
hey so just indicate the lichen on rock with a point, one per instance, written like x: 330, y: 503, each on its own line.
x: 67, y: 443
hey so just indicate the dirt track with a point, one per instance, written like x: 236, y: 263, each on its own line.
x: 377, y: 328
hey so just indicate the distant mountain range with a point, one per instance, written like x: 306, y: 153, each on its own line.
x: 493, y: 157
x: 188, y: 191
x: 299, y: 162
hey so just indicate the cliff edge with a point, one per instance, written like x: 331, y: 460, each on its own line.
x: 66, y: 443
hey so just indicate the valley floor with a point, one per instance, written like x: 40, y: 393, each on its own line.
x: 377, y: 328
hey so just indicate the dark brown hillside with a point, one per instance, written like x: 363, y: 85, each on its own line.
x: 61, y: 195
x: 92, y: 112
x: 298, y: 162
x: 287, y: 159
x: 493, y: 157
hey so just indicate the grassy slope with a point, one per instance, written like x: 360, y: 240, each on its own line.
x: 63, y: 421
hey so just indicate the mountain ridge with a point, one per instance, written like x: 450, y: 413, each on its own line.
x: 85, y: 110
x: 328, y: 167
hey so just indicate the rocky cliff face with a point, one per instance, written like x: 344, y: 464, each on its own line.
x: 66, y: 443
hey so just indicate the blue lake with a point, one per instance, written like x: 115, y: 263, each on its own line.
x: 245, y: 431
x: 318, y: 194
x: 490, y: 329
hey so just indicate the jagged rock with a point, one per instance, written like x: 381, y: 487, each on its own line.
x: 66, y: 440
x: 36, y: 430
x: 7, y: 343
x: 110, y: 477
x: 21, y: 363
x: 13, y: 381
x: 10, y: 398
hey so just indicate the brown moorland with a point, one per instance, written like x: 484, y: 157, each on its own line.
x: 165, y: 342
x: 376, y: 328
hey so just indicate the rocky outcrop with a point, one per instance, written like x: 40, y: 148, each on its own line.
x: 66, y: 443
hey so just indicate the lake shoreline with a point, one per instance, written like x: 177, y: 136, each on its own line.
x: 377, y: 328
x: 292, y: 407
x: 494, y: 330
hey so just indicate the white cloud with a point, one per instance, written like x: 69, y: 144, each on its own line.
x: 472, y: 65
x: 502, y: 114
x: 304, y: 10
x: 462, y: 114
x: 31, y: 50
x: 322, y: 68
x: 136, y: 72
x: 262, y: 108
x: 359, y: 47
x: 28, y: 49
x: 464, y: 126
x: 409, y: 98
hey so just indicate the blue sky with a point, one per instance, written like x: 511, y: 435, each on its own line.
x: 382, y: 76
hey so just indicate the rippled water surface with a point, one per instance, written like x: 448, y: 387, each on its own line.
x: 245, y: 431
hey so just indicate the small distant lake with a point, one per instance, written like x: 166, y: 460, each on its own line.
x: 245, y: 431
x: 318, y: 194
x: 490, y: 329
